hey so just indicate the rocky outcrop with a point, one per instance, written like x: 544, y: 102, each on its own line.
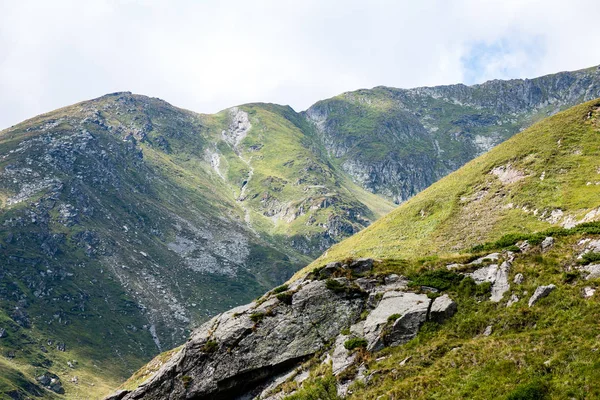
x: 442, y: 308
x: 408, y: 312
x: 249, y: 348
x: 547, y: 243
x: 443, y: 127
x: 51, y: 382
x: 495, y: 274
x: 540, y: 293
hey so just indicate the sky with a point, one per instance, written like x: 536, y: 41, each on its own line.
x: 213, y: 54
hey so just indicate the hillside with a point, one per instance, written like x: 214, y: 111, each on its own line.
x: 514, y: 316
x: 547, y: 176
x: 397, y: 142
x: 126, y: 222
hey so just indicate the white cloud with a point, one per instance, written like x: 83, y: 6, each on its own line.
x: 209, y: 55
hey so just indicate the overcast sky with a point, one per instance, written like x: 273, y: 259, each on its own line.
x: 210, y: 55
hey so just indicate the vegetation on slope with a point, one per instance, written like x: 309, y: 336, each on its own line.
x: 548, y: 350
x: 118, y: 235
x: 546, y: 176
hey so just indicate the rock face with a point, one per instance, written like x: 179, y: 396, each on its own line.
x: 496, y: 274
x: 410, y: 310
x: 442, y: 308
x: 443, y: 126
x: 540, y: 292
x: 249, y: 348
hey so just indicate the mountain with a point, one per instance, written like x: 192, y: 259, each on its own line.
x: 514, y: 317
x: 545, y: 177
x: 397, y: 142
x: 125, y: 222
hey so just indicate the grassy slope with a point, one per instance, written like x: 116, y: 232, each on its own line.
x: 426, y: 133
x: 471, y: 205
x: 103, y: 331
x: 550, y: 349
x: 290, y: 155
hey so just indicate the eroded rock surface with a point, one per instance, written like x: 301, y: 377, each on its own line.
x: 250, y: 350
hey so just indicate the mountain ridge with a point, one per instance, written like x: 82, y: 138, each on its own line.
x: 126, y: 222
x: 495, y: 321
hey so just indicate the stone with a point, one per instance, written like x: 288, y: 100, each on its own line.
x: 524, y: 246
x: 547, y: 243
x: 593, y: 271
x: 513, y: 299
x: 540, y: 292
x: 404, y: 328
x: 412, y: 306
x: 487, y: 331
x: 329, y: 269
x: 490, y: 257
x: 366, y: 284
x: 2, y: 333
x: 519, y: 279
x: 406, y: 360
x: 442, y: 308
x: 43, y: 379
x: 361, y: 265
x: 497, y: 276
x: 51, y: 381
x: 588, y: 292
x: 341, y: 358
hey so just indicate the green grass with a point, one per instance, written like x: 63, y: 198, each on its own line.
x: 471, y: 205
x: 545, y: 351
x: 355, y: 343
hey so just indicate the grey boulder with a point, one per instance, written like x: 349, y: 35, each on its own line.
x: 541, y: 292
x: 442, y: 308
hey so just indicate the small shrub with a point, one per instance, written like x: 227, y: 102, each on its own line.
x: 345, y: 331
x: 355, y: 343
x: 363, y: 315
x: 589, y: 257
x: 392, y: 318
x: 506, y: 241
x: 530, y: 391
x: 569, y: 277
x: 440, y: 279
x: 335, y: 286
x: 322, y: 388
x: 257, y: 317
x: 186, y: 381
x: 468, y: 287
x: 210, y: 346
x: 483, y: 289
x: 280, y: 289
x: 285, y: 297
